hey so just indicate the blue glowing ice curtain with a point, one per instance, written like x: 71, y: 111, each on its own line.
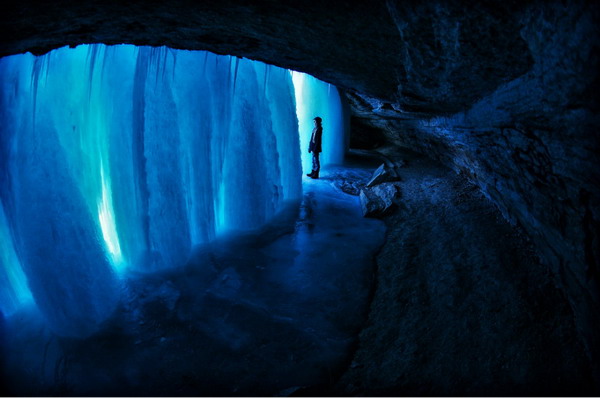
x: 116, y: 158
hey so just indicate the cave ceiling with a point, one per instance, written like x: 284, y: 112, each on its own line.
x: 425, y: 58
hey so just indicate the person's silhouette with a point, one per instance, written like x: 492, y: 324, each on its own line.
x: 314, y: 147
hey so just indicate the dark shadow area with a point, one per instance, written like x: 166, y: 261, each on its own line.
x: 464, y: 306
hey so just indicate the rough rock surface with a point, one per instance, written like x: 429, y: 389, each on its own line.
x: 463, y: 307
x: 532, y: 147
x: 377, y: 200
x: 355, y: 173
x: 419, y: 57
x: 384, y: 173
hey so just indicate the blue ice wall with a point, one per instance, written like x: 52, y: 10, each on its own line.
x: 317, y: 98
x: 13, y: 285
x: 123, y: 157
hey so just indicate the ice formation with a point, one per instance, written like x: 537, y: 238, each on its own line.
x: 117, y: 158
x: 315, y: 98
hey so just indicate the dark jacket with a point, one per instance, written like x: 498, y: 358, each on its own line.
x: 315, y: 140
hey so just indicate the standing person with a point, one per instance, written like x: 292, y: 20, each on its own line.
x: 315, y: 147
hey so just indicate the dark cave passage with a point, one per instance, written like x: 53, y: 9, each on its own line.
x: 488, y: 280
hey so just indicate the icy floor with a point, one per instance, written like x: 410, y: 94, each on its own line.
x: 264, y: 313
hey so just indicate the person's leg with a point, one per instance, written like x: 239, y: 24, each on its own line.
x: 316, y: 165
x: 312, y: 172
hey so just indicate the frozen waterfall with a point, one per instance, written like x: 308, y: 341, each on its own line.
x: 117, y: 158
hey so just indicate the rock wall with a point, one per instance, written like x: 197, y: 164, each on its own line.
x: 532, y: 146
x: 437, y: 57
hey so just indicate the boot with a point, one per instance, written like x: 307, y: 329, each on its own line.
x: 310, y: 174
x: 315, y: 174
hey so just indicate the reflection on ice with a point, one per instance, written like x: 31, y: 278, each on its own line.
x: 254, y: 313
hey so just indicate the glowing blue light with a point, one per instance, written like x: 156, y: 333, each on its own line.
x: 317, y: 98
x: 126, y: 157
x: 14, y: 290
x: 107, y: 222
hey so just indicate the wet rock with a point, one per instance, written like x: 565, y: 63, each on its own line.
x: 377, y: 200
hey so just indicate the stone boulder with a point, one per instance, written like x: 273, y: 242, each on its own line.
x: 376, y: 201
x: 384, y: 173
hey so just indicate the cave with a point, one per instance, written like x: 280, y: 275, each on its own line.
x: 476, y: 126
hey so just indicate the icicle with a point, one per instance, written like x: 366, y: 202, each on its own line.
x: 92, y: 55
x: 154, y: 62
x: 229, y: 83
x: 91, y: 61
x: 47, y: 57
x: 267, y: 68
x: 35, y: 78
x: 204, y: 64
x: 174, y: 55
x: 140, y: 175
x: 108, y: 53
x: 237, y: 64
x: 164, y: 62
